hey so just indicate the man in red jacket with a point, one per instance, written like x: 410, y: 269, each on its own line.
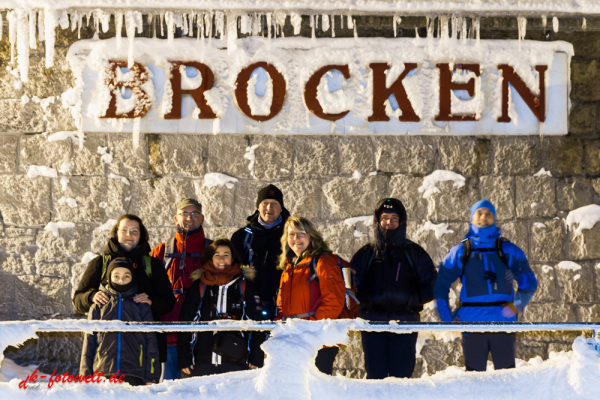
x: 181, y: 254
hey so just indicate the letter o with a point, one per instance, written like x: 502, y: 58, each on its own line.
x: 241, y: 90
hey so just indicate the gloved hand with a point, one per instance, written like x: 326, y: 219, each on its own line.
x: 509, y: 275
x: 507, y: 312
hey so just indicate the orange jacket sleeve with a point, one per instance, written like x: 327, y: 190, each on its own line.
x: 332, y: 287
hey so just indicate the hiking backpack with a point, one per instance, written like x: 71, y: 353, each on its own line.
x: 468, y: 250
x: 350, y: 310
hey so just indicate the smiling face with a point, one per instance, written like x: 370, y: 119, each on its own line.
x: 269, y: 210
x: 128, y: 234
x: 189, y: 218
x: 389, y: 221
x: 222, y: 257
x: 482, y: 218
x: 120, y: 276
x: 297, y: 240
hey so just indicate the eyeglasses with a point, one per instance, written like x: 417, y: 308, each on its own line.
x: 297, y: 235
x: 192, y: 214
x: 132, y: 232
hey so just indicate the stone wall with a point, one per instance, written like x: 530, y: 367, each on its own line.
x: 328, y: 179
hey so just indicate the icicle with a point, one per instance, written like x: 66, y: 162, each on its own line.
x: 118, y: 28
x: 12, y: 33
x: 522, y: 26
x: 444, y: 27
x: 312, y: 27
x: 170, y: 26
x: 220, y: 24
x: 133, y: 24
x: 279, y: 21
x: 104, y: 19
x: 333, y: 26
x: 325, y: 22
x: 50, y: 20
x: 476, y: 28
x: 583, y: 25
x: 350, y: 21
x: 79, y: 24
x: 430, y: 27
x: 40, y: 26
x: 63, y: 20
x: 355, y: 32
x: 136, y: 132
x: 245, y: 24
x: 555, y: 24
x: 184, y: 19
x: 191, y: 19
x: 23, y: 44
x: 395, y: 20
x: 463, y: 32
x: 544, y: 21
x: 32, y: 23
x: 162, y: 26
x: 208, y: 17
x: 231, y: 20
x: 457, y: 23
x: 200, y: 27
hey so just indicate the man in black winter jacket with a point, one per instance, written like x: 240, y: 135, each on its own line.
x: 395, y: 278
x: 259, y: 246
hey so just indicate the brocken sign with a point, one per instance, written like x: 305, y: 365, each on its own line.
x: 345, y: 86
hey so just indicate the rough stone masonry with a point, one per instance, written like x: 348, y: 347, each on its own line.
x: 328, y: 179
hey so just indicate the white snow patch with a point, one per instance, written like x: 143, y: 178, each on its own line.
x: 569, y: 265
x: 576, y: 277
x: 542, y: 172
x: 103, y: 204
x: 585, y: 217
x: 106, y: 156
x: 107, y: 226
x: 69, y: 201
x: 216, y: 179
x: 356, y: 175
x: 121, y: 178
x: 547, y: 269
x: 533, y: 205
x: 250, y: 156
x: 65, y: 168
x: 438, y: 229
x: 367, y: 220
x: 430, y: 182
x: 539, y: 225
x: 87, y: 257
x: 62, y: 135
x: 40, y: 170
x: 54, y: 227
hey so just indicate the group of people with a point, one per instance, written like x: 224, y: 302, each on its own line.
x: 279, y: 267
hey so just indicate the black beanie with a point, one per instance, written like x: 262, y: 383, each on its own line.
x: 270, y: 192
x: 390, y: 205
x: 121, y: 262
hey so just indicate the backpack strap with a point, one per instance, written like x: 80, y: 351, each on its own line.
x: 313, y: 269
x: 105, y: 261
x: 500, y: 250
x: 169, y: 247
x: 248, y: 245
x: 147, y: 260
x: 468, y: 249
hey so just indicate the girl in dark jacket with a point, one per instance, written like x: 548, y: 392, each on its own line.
x: 394, y: 279
x: 128, y: 238
x: 216, y: 294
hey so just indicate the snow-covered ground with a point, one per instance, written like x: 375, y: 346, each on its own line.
x: 289, y: 373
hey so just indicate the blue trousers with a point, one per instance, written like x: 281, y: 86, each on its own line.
x: 389, y: 354
x: 477, y: 346
x: 170, y: 370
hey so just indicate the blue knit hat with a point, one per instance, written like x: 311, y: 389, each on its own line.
x: 483, y: 203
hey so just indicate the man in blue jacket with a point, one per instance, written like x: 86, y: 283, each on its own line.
x: 487, y: 266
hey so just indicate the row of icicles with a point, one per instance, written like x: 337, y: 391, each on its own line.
x: 25, y: 27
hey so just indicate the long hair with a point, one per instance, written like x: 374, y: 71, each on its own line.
x: 316, y: 246
x: 144, y: 237
x: 210, y: 251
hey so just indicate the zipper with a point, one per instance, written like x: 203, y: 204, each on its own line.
x: 119, y: 333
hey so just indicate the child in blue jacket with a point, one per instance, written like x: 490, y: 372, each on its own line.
x: 132, y: 355
x: 487, y: 265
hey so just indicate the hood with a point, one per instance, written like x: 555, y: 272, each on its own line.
x: 394, y: 237
x: 483, y: 237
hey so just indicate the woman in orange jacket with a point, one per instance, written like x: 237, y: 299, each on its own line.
x: 309, y: 290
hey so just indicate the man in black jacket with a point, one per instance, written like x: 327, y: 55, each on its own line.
x: 394, y: 278
x: 259, y: 245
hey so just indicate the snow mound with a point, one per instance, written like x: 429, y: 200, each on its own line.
x: 585, y: 217
x: 216, y: 179
x: 430, y: 182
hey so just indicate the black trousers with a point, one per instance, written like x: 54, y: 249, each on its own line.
x: 325, y: 358
x: 389, y: 354
x: 477, y: 346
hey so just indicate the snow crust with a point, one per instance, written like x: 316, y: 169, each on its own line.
x: 213, y: 179
x: 438, y: 229
x: 584, y: 217
x: 569, y: 265
x: 39, y: 170
x: 54, y: 227
x: 289, y: 373
x: 431, y: 181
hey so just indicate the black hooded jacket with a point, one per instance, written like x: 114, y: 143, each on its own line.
x: 395, y: 276
x: 266, y: 248
x: 157, y: 287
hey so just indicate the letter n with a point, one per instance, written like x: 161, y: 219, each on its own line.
x: 381, y: 93
x: 208, y: 80
x: 537, y: 104
x: 139, y: 77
